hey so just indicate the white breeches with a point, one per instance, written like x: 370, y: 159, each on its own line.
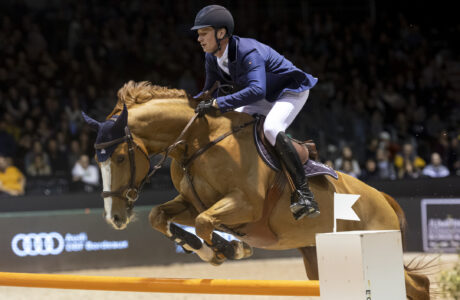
x: 279, y: 114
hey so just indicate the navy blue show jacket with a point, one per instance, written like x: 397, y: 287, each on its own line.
x: 257, y: 71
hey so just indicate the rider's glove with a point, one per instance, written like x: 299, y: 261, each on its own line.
x: 205, y: 107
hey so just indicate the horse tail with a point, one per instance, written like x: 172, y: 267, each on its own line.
x: 417, y: 284
x: 401, y: 216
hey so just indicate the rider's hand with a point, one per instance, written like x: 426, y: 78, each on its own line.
x: 205, y: 107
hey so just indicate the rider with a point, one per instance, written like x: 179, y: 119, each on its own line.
x: 268, y: 84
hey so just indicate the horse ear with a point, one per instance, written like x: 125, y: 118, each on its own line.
x: 122, y: 120
x: 93, y: 124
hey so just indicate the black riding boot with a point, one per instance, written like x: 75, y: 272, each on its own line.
x: 302, y: 200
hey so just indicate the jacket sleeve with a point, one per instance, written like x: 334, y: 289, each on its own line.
x: 211, y: 75
x: 254, y: 82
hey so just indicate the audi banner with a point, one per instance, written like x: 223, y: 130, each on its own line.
x: 48, y: 241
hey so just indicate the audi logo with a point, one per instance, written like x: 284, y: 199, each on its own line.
x: 33, y: 244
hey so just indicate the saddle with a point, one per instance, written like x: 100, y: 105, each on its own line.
x: 306, y: 151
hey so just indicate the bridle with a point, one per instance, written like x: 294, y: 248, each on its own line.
x: 130, y: 191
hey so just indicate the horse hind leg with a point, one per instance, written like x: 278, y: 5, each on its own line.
x: 310, y: 261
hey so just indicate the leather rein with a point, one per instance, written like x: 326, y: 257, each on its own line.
x: 130, y: 192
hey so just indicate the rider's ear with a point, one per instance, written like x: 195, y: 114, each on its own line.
x: 221, y: 33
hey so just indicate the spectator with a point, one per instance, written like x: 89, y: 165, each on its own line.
x: 371, y: 149
x: 353, y: 166
x: 7, y: 142
x: 453, y: 155
x: 408, y: 164
x: 58, y: 158
x: 12, y: 181
x: 370, y: 172
x: 385, y: 167
x: 436, y: 169
x: 347, y: 168
x: 408, y: 170
x: 75, y: 152
x: 329, y: 163
x: 84, y: 175
x: 37, y: 149
x: 39, y: 167
x: 385, y: 142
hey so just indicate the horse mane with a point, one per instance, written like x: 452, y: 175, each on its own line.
x: 133, y: 93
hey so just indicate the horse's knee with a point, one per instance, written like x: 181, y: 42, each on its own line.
x: 158, y: 219
x: 204, y: 227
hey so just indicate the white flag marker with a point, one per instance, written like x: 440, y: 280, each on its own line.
x: 342, y: 208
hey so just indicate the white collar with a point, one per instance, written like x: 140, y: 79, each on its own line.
x: 223, y: 61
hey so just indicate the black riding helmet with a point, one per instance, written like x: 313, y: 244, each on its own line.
x: 215, y: 16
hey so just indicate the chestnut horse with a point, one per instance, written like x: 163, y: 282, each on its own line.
x: 225, y: 186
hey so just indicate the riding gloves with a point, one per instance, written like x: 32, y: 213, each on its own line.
x: 205, y: 107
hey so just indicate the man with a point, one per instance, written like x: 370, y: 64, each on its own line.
x: 436, y: 169
x: 268, y: 85
x: 85, y: 175
x: 12, y: 181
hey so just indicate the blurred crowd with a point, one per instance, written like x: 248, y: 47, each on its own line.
x: 387, y: 104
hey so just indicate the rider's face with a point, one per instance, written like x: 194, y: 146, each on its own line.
x: 207, y: 40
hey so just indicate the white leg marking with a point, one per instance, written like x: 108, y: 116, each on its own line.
x: 205, y: 252
x: 106, y: 183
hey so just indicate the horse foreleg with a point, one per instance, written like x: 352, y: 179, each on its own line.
x: 177, y: 210
x: 310, y: 261
x: 180, y: 211
x: 232, y: 209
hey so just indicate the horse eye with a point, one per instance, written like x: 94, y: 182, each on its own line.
x: 120, y: 158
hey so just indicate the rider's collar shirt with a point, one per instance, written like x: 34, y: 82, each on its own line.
x: 223, y: 61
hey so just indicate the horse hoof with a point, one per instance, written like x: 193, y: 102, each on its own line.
x: 217, y: 260
x: 242, y: 249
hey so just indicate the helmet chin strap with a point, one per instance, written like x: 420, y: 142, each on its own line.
x: 218, y: 41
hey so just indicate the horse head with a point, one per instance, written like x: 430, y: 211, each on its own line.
x: 124, y: 163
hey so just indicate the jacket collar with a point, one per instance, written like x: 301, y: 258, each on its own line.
x: 232, y: 49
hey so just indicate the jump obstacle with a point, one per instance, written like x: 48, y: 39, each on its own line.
x: 163, y: 285
x: 350, y: 267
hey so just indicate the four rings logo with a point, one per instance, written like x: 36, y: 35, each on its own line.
x: 34, y: 244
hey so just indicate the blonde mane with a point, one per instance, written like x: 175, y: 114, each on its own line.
x: 133, y: 93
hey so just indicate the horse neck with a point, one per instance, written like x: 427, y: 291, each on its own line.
x: 159, y: 123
